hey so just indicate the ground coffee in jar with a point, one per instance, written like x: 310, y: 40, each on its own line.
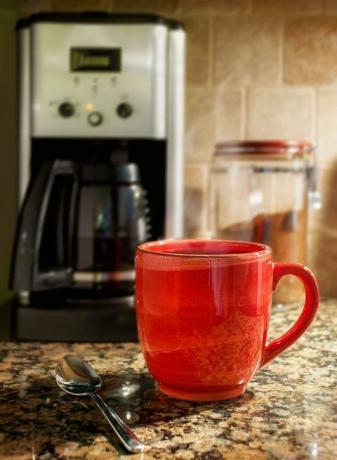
x: 258, y: 191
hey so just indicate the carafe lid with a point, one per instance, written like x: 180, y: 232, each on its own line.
x: 277, y: 148
x: 124, y: 173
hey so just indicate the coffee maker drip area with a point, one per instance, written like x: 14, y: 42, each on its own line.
x: 100, y: 168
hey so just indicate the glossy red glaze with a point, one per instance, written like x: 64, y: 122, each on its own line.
x: 203, y: 311
x: 307, y: 315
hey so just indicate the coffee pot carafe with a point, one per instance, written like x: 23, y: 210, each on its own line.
x: 78, y: 231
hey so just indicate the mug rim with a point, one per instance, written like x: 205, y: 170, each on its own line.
x: 262, y: 250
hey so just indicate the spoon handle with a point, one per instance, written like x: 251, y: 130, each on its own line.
x: 122, y: 431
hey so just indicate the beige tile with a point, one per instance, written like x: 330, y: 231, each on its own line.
x: 284, y: 113
x: 323, y: 260
x: 330, y: 6
x: 200, y: 124
x: 150, y: 6
x: 326, y: 217
x: 323, y: 238
x: 198, y: 49
x: 287, y: 7
x: 28, y: 7
x: 196, y: 180
x: 215, y: 6
x: 327, y: 126
x: 81, y: 5
x: 247, y: 51
x: 310, y: 50
x: 229, y: 114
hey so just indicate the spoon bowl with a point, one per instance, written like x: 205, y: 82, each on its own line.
x: 76, y: 377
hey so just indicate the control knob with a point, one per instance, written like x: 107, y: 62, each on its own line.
x: 124, y: 110
x: 95, y: 118
x: 66, y: 109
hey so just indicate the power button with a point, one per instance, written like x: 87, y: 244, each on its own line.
x: 95, y: 118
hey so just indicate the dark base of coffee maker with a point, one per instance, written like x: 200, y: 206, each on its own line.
x: 112, y: 321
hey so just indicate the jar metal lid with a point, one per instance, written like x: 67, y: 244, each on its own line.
x: 279, y: 148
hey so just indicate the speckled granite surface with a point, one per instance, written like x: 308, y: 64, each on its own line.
x: 289, y: 411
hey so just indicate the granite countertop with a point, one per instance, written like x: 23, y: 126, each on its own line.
x: 288, y: 412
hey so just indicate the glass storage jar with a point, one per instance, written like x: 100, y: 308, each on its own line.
x: 258, y: 191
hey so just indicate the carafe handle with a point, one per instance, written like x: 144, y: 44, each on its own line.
x: 26, y: 274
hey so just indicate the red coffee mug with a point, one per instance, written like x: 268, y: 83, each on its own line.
x: 203, y: 311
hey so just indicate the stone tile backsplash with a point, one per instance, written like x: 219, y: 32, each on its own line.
x: 327, y: 125
x: 153, y: 6
x: 196, y: 184
x: 280, y: 112
x: 230, y: 106
x: 310, y: 49
x: 83, y: 5
x: 247, y: 50
x: 255, y: 69
x: 288, y: 7
x: 200, y: 124
x: 198, y: 58
x: 215, y: 6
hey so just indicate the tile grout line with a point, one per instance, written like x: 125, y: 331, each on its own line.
x: 315, y: 110
x: 281, y: 57
x: 244, y: 113
x: 211, y: 50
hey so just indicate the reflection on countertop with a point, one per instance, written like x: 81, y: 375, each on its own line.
x: 288, y: 412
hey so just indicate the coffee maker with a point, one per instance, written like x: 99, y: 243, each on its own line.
x: 101, y: 112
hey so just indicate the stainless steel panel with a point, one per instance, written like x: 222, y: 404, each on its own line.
x: 101, y: 277
x: 174, y: 225
x: 140, y: 83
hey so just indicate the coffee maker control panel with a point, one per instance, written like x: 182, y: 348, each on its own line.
x: 107, y: 84
x: 94, y: 118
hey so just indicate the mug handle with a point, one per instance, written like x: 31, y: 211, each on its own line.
x: 277, y: 346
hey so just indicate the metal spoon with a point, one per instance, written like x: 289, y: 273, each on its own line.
x: 75, y: 376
